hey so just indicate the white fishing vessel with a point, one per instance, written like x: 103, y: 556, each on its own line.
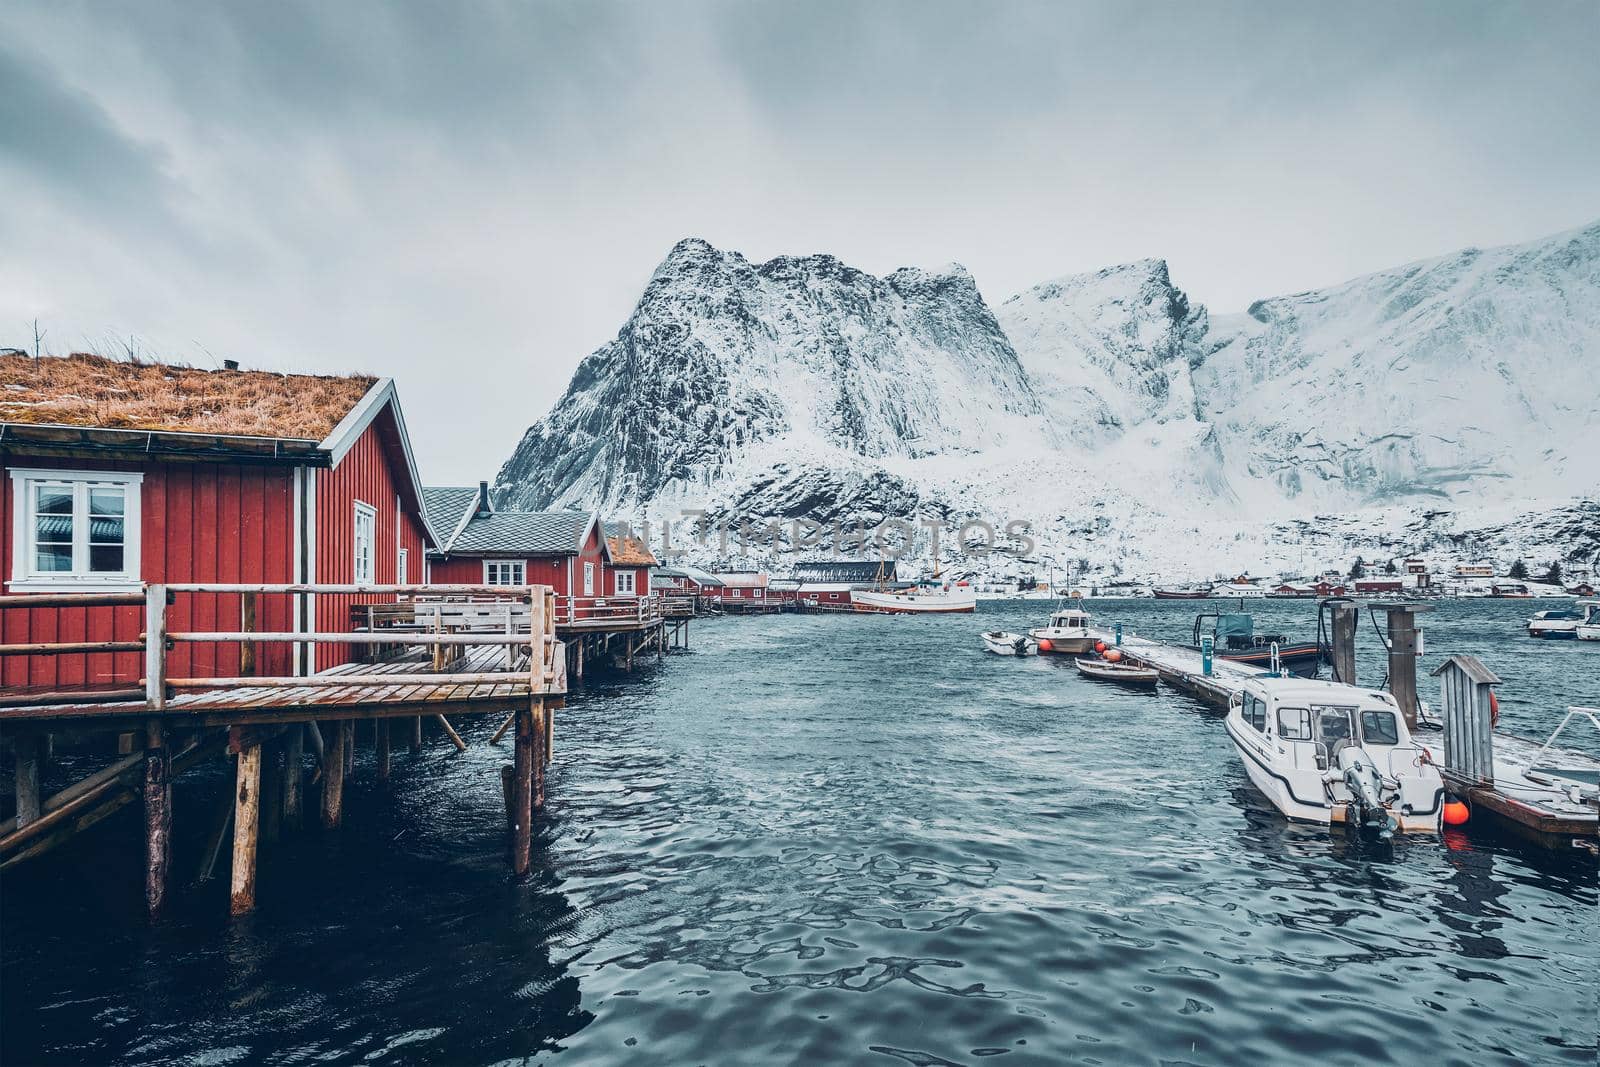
x: 1329, y: 753
x: 927, y: 597
x: 1068, y: 633
x: 1558, y: 624
x: 1589, y: 627
x: 1002, y: 643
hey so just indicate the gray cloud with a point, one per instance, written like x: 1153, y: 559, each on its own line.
x: 472, y: 198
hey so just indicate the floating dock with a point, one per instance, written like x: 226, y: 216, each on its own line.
x: 1514, y: 789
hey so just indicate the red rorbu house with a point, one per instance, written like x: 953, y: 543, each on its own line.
x: 1380, y: 585
x: 119, y: 474
x: 628, y: 571
x: 566, y: 550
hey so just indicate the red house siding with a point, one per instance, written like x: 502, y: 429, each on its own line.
x: 199, y: 522
x: 366, y: 473
x: 468, y: 570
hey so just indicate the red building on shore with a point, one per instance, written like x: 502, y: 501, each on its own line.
x: 118, y: 474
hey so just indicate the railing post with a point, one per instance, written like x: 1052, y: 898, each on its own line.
x: 155, y: 646
x: 247, y: 623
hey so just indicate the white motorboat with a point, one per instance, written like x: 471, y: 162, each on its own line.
x: 1002, y: 643
x: 1589, y: 627
x: 1068, y: 633
x: 1329, y: 753
x: 1555, y: 624
x: 922, y: 599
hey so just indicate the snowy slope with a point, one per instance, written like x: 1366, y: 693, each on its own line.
x: 1475, y: 375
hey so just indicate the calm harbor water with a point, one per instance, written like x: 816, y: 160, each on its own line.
x: 842, y: 840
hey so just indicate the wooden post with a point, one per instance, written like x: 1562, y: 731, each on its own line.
x: 294, y: 776
x: 541, y: 749
x: 155, y: 646
x: 382, y: 728
x: 348, y: 728
x: 1403, y: 662
x: 522, y: 795
x: 416, y: 734
x: 455, y: 738
x: 508, y: 788
x: 30, y: 801
x: 157, y: 818
x: 247, y: 623
x: 246, y: 817
x: 582, y: 640
x: 333, y: 778
x: 1344, y: 642
x: 271, y: 790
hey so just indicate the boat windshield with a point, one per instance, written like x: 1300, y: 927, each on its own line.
x: 1335, y: 728
x: 1070, y: 618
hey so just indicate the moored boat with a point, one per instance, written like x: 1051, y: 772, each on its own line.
x: 1121, y: 673
x: 1181, y: 594
x: 1589, y: 628
x: 1555, y: 624
x: 1234, y: 638
x: 1002, y: 643
x: 922, y: 599
x: 1328, y: 753
x: 1068, y: 633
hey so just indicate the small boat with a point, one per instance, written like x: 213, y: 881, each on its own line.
x: 1589, y: 628
x: 1002, y: 643
x: 927, y: 597
x: 1328, y: 753
x: 1181, y: 594
x: 1558, y: 625
x: 1067, y: 634
x: 1122, y: 673
x: 1234, y: 638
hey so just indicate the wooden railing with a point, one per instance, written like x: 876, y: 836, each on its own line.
x: 600, y: 610
x: 156, y: 641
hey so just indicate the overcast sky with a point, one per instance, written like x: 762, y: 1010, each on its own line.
x: 470, y: 198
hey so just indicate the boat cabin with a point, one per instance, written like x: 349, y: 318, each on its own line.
x: 1069, y: 619
x: 1315, y: 720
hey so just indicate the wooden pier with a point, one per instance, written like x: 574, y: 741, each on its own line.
x: 166, y: 724
x: 1513, y: 793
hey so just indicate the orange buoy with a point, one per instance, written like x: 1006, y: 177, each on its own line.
x: 1113, y: 656
x: 1456, y: 812
x: 1100, y: 646
x: 1494, y: 710
x: 1045, y: 645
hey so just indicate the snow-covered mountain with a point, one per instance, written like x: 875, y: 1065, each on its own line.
x: 1107, y: 410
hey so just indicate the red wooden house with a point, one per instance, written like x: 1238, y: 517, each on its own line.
x: 562, y: 549
x: 118, y: 474
x: 631, y: 562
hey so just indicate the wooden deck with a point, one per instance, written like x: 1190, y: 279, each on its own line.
x: 324, y: 696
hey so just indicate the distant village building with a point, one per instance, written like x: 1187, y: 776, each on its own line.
x: 861, y: 572
x: 1473, y: 570
x: 1379, y: 585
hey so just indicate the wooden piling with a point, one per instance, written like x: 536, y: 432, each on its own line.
x: 246, y: 821
x: 333, y: 778
x: 294, y: 777
x: 30, y: 801
x: 1344, y: 642
x: 381, y: 726
x: 271, y: 790
x: 416, y: 734
x: 455, y: 738
x: 523, y: 795
x: 157, y: 818
x: 348, y: 728
x: 1403, y: 662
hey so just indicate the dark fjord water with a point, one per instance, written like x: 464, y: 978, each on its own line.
x: 842, y: 840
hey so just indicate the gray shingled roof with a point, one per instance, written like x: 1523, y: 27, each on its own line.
x: 536, y: 533
x: 445, y: 504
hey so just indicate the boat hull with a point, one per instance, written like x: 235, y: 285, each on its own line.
x: 1142, y: 677
x: 1063, y: 644
x: 873, y: 602
x: 1181, y: 594
x: 1008, y: 644
x: 1554, y: 632
x: 1300, y: 795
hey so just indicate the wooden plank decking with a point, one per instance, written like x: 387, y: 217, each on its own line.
x: 324, y: 697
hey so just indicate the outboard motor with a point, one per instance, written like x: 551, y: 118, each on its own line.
x: 1366, y: 791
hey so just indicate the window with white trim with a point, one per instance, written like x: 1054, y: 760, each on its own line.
x: 365, y: 541
x: 75, y: 529
x: 400, y: 567
x: 504, y: 572
x: 625, y: 584
x: 588, y: 579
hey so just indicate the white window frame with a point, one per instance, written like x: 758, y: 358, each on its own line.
x: 402, y: 569
x: 515, y: 568
x: 24, y: 578
x: 588, y: 578
x: 366, y: 511
x: 628, y: 588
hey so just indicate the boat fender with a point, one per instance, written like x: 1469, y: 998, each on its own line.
x: 1100, y: 646
x: 1113, y: 656
x: 1456, y: 812
x: 1494, y: 710
x: 1045, y: 645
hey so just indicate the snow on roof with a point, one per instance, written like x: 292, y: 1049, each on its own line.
x: 93, y: 391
